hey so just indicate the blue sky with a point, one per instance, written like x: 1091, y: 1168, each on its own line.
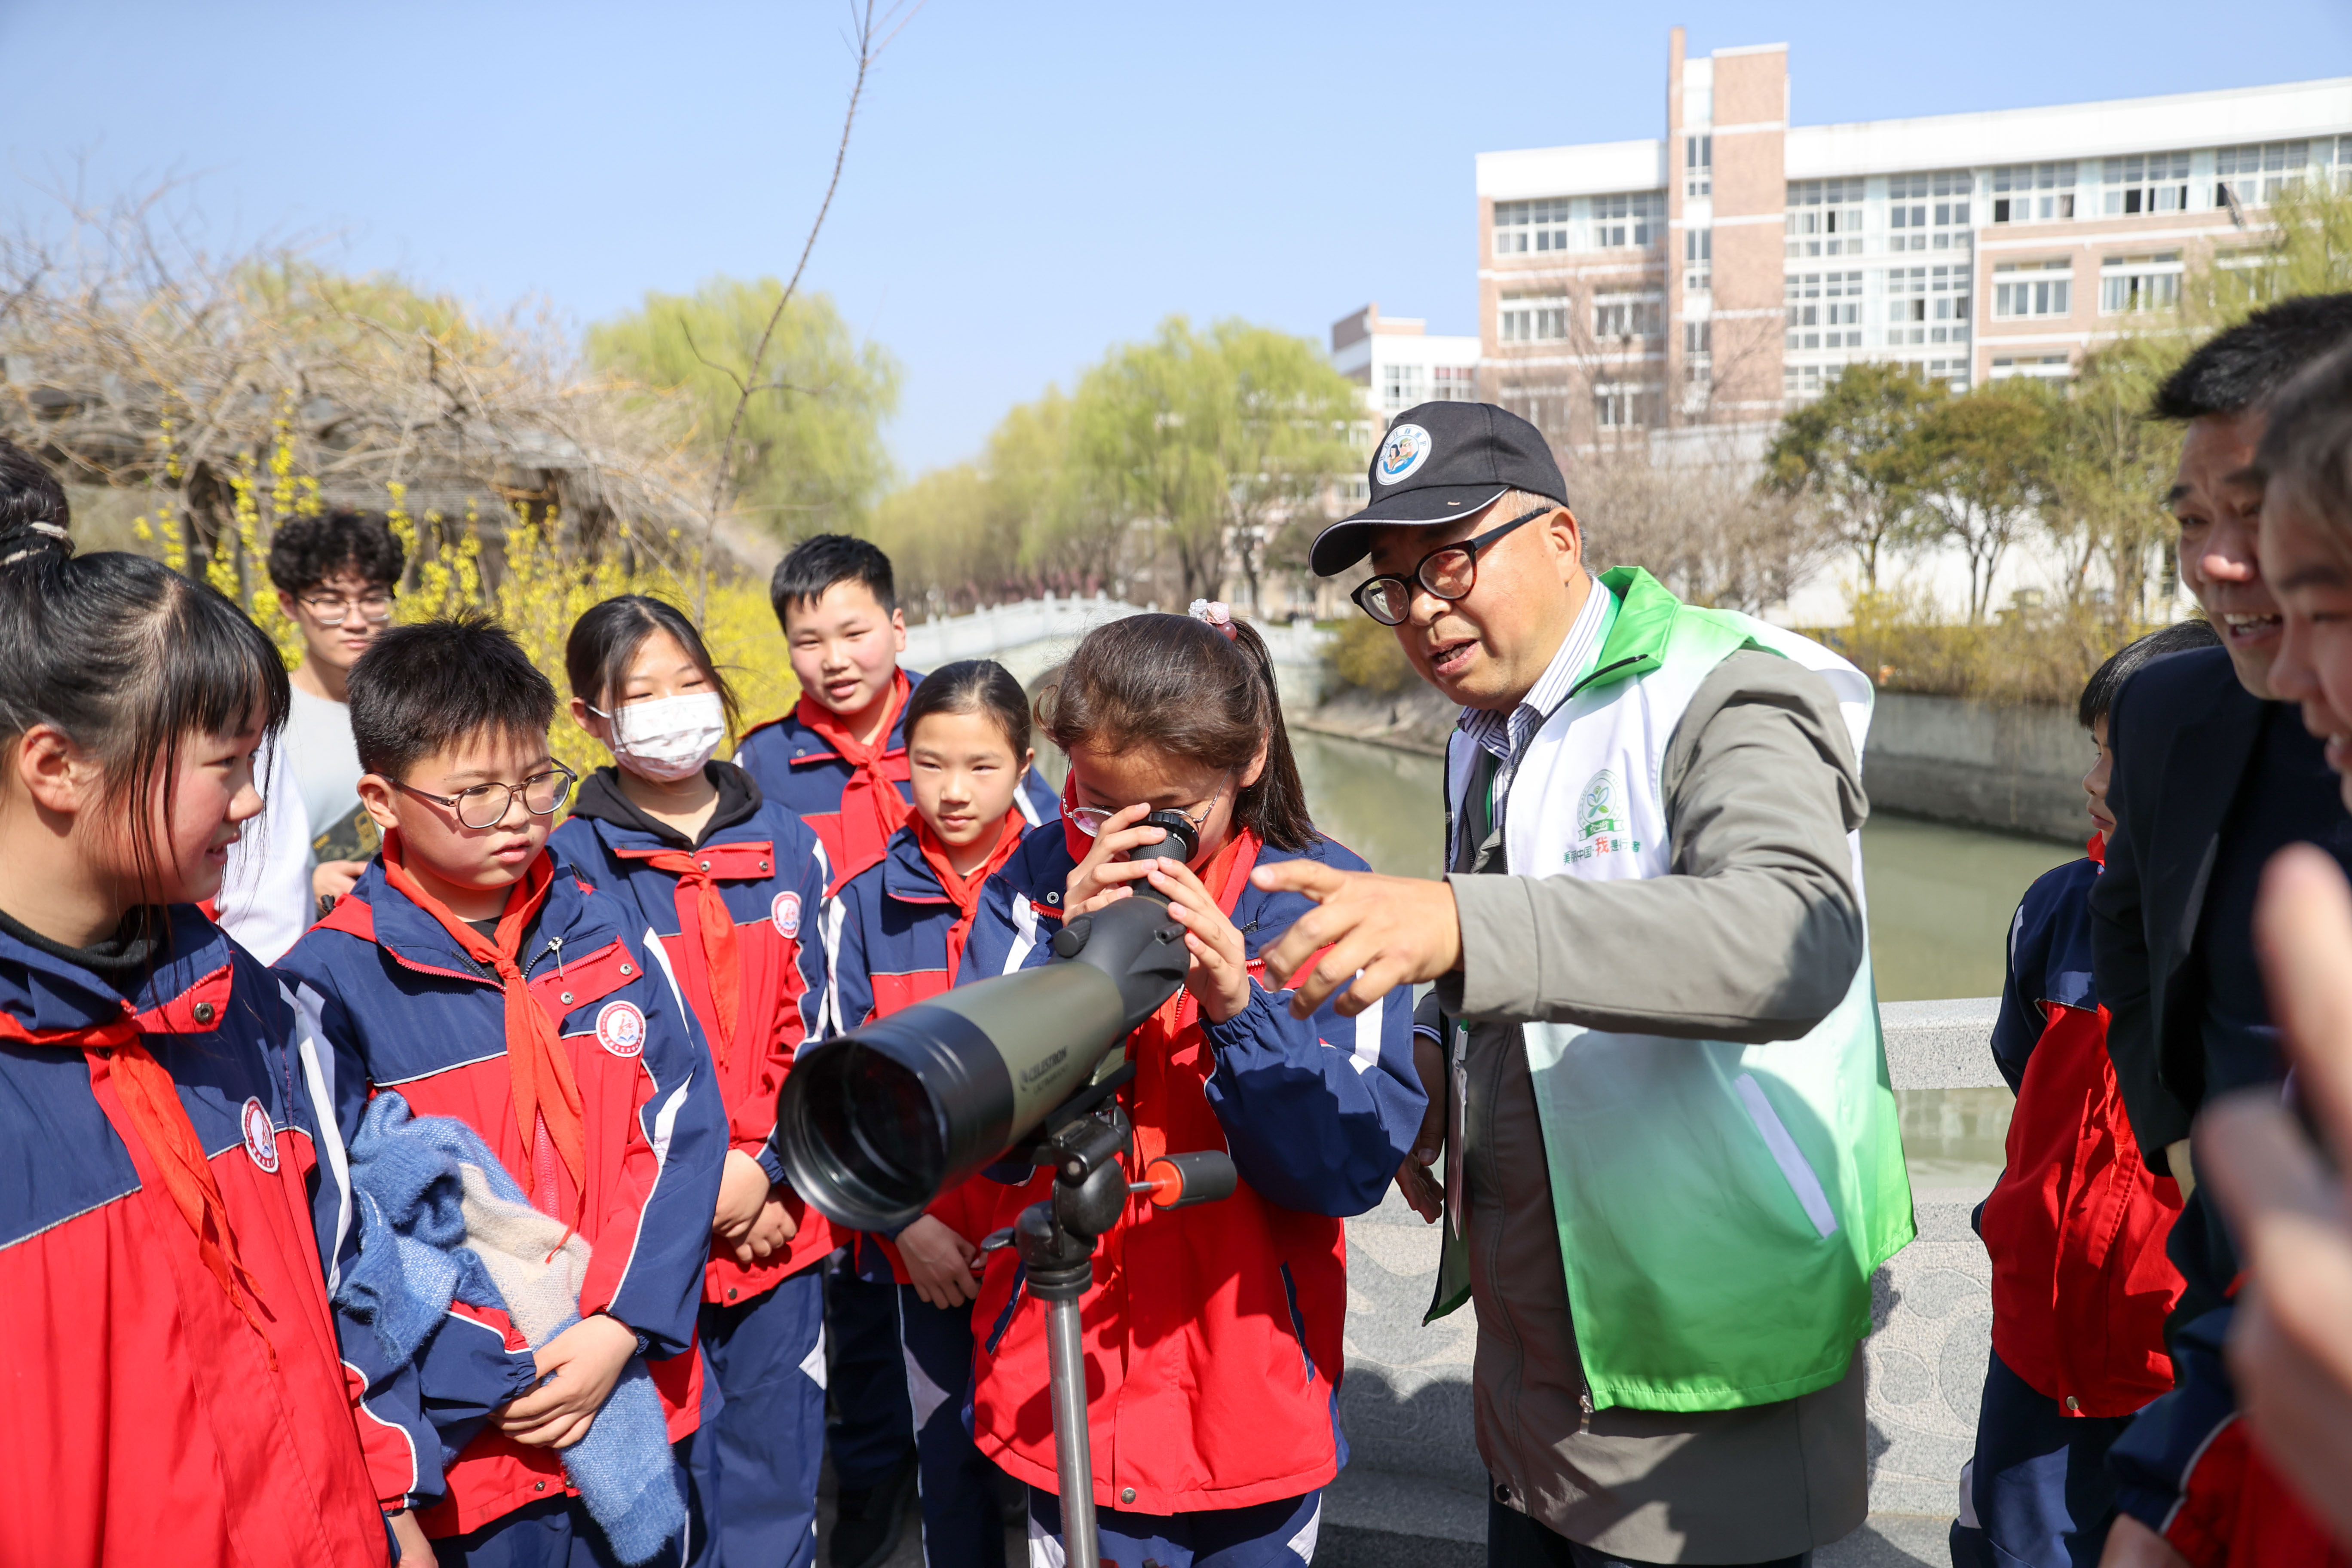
x: 1031, y: 181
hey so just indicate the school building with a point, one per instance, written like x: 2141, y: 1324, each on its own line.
x: 1709, y: 278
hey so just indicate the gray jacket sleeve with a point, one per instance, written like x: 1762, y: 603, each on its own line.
x: 1756, y: 932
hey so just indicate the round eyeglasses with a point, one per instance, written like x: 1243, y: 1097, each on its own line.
x: 374, y: 609
x: 1089, y: 819
x: 1449, y: 571
x: 486, y: 804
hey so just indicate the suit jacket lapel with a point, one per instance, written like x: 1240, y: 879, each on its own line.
x: 2204, y: 767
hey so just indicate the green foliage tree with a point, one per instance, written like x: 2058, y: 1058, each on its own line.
x: 1847, y: 455
x: 2109, y: 467
x: 1976, y: 470
x: 809, y: 452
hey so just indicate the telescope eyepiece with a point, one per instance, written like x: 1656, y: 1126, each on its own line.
x: 1181, y: 843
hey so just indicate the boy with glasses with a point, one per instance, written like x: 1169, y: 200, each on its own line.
x: 480, y: 980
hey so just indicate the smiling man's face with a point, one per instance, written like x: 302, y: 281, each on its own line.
x: 2219, y: 504
x: 1488, y: 649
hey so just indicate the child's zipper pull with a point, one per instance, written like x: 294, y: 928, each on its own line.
x: 555, y: 946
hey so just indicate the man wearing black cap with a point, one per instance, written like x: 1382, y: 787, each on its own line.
x: 1652, y: 1052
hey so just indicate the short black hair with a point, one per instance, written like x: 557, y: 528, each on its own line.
x: 31, y: 500
x: 310, y: 550
x: 816, y: 563
x: 2099, y: 693
x: 435, y: 685
x: 2306, y: 452
x: 2247, y: 365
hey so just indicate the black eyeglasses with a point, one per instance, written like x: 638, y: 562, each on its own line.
x: 1449, y: 570
x: 541, y: 795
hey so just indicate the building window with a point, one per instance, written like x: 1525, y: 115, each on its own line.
x: 1952, y: 373
x: 1454, y: 384
x: 1802, y: 383
x: 1545, y: 406
x: 1698, y: 260
x: 2053, y: 367
x: 1629, y: 217
x: 1698, y: 352
x: 1624, y: 405
x: 1526, y: 320
x: 2150, y: 182
x: 1628, y: 315
x: 2131, y: 284
x: 2033, y: 193
x: 1524, y: 227
x: 1927, y: 304
x: 1929, y: 212
x: 1699, y: 165
x: 1824, y: 217
x: 2254, y: 175
x: 1815, y: 300
x: 2022, y: 289
x: 1401, y: 387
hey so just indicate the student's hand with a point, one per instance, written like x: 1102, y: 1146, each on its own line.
x: 2131, y: 1545
x: 742, y: 1192
x: 416, y: 1546
x: 2291, y: 1337
x: 1219, y: 977
x: 1383, y: 932
x: 1099, y: 879
x: 939, y: 1263
x: 1422, y: 1191
x: 577, y: 1370
x: 770, y: 1233
x: 335, y: 878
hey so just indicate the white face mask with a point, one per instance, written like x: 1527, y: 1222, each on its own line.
x: 667, y: 738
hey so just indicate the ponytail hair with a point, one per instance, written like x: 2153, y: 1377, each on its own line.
x: 1182, y: 687
x: 974, y: 686
x: 125, y: 657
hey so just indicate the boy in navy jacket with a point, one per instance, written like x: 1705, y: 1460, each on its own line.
x: 480, y: 980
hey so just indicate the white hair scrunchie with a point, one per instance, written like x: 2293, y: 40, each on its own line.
x: 1218, y: 615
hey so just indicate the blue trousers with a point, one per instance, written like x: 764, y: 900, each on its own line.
x: 961, y: 1525
x: 872, y: 1435
x: 2037, y: 1491
x: 755, y: 1463
x: 1266, y: 1535
x: 557, y: 1534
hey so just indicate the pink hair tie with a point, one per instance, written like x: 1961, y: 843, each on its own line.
x: 1217, y: 615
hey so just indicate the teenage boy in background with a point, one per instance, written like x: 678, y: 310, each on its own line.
x: 839, y: 760
x: 467, y: 973
x: 2075, y: 1225
x: 2211, y: 778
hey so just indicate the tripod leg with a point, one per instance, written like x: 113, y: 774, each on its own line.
x: 1067, y: 1364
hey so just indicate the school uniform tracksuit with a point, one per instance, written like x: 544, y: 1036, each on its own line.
x: 757, y: 868
x: 392, y: 990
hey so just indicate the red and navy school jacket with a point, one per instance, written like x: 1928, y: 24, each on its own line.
x: 771, y: 870
x: 798, y: 767
x: 386, y: 985
x: 147, y: 1420
x: 1212, y: 1333
x: 2076, y: 1225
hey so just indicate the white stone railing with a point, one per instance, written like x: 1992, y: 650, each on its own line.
x: 1033, y: 636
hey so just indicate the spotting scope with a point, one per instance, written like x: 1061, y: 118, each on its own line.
x: 874, y: 1125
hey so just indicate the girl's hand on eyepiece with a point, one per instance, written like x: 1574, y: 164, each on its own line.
x: 1101, y: 877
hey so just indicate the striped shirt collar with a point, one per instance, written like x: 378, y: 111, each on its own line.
x: 1502, y: 733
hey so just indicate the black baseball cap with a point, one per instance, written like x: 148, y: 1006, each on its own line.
x: 1440, y: 462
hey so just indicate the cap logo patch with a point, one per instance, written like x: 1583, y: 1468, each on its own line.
x: 621, y: 1029
x: 260, y: 1138
x: 786, y: 912
x: 1406, y: 448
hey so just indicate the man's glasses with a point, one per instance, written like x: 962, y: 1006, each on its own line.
x: 1449, y: 571
x: 486, y: 804
x: 376, y: 609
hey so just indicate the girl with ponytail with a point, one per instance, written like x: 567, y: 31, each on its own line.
x: 1212, y: 1332
x: 174, y: 1202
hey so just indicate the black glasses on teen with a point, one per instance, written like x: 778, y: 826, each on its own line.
x: 1449, y: 570
x: 486, y: 804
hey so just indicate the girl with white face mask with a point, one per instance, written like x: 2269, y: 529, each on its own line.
x: 734, y: 887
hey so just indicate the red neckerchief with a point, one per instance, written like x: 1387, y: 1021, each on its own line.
x: 547, y: 1102
x: 150, y: 1097
x: 872, y: 808
x: 1158, y: 1037
x: 964, y: 891
x: 2096, y: 850
x: 720, y: 953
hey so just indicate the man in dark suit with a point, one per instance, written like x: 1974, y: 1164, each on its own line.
x: 2210, y: 778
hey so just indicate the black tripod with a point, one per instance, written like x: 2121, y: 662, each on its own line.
x: 1055, y: 1240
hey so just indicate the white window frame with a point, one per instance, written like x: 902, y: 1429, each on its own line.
x: 1928, y: 304
x: 1627, y: 220
x: 1698, y: 260
x: 1454, y: 384
x: 1823, y: 218
x: 2144, y: 184
x: 1532, y: 318
x: 1699, y: 164
x: 1813, y: 301
x: 1626, y: 404
x: 2032, y: 193
x: 1629, y: 313
x: 1532, y: 227
x: 2032, y: 290
x: 2136, y: 285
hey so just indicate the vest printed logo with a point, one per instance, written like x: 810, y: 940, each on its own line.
x: 260, y: 1137
x: 786, y: 914
x: 1600, y: 825
x: 621, y: 1029
x: 1406, y: 448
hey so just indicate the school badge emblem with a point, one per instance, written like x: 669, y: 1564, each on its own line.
x: 786, y: 914
x: 621, y: 1029
x: 260, y: 1137
x: 1406, y: 448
